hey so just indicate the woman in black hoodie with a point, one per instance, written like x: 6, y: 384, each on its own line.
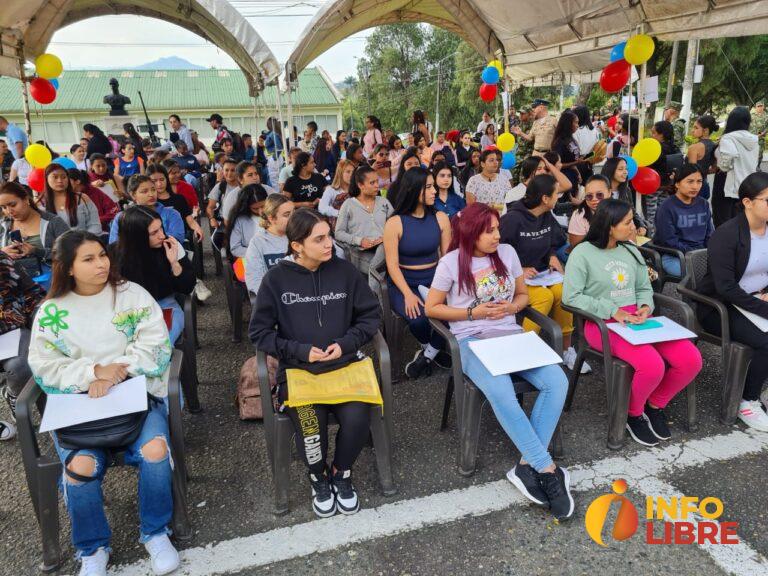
x: 314, y: 312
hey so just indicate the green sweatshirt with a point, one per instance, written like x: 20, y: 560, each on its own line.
x: 602, y: 281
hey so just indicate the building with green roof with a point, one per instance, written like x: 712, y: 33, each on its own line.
x: 192, y: 94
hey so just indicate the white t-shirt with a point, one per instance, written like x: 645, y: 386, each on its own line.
x: 586, y: 139
x: 23, y: 168
x: 515, y: 194
x: 489, y: 192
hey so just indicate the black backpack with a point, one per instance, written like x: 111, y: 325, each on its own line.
x: 237, y: 143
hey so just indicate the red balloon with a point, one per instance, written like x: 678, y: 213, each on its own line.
x: 488, y: 92
x: 615, y: 76
x: 42, y: 91
x: 36, y: 179
x: 646, y: 181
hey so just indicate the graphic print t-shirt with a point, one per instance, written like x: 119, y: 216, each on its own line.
x: 305, y: 190
x: 489, y: 287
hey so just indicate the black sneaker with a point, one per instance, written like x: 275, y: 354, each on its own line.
x: 443, y: 360
x: 526, y: 479
x: 657, y: 421
x: 346, y: 495
x: 323, y: 500
x: 557, y: 487
x: 640, y: 430
x: 418, y: 366
x: 10, y: 399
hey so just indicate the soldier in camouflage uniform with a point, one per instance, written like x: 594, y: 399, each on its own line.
x: 672, y: 115
x: 524, y: 147
x: 759, y: 126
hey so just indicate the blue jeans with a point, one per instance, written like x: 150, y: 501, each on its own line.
x: 419, y: 326
x: 85, y: 501
x: 191, y: 180
x: 530, y: 436
x: 671, y: 265
x: 177, y: 318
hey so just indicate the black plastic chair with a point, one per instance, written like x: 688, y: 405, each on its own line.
x: 187, y: 343
x: 236, y: 294
x: 618, y: 374
x: 394, y: 325
x: 44, y: 470
x: 279, y: 431
x: 470, y: 399
x: 653, y: 253
x: 735, y: 357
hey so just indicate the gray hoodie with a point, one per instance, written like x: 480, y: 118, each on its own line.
x: 264, y: 251
x: 243, y: 230
x: 736, y: 155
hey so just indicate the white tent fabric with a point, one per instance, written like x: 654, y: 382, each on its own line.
x: 32, y: 23
x: 540, y: 37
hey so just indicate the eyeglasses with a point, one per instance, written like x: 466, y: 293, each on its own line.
x: 596, y: 196
x: 763, y: 199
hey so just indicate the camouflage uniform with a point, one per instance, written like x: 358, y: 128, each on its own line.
x: 758, y: 125
x: 679, y: 126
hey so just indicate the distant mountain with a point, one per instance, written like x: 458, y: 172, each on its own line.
x: 169, y: 63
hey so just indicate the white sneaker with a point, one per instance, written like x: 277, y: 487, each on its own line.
x: 764, y: 397
x: 202, y: 292
x: 569, y: 357
x: 753, y: 415
x: 164, y: 557
x: 7, y: 431
x: 95, y: 564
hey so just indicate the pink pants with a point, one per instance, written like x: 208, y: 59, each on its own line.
x: 661, y: 370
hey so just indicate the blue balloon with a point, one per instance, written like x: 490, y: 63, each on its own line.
x: 631, y: 166
x: 490, y: 75
x: 55, y: 83
x: 67, y: 163
x: 617, y: 53
x: 508, y: 160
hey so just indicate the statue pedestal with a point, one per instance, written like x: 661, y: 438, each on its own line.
x: 113, y: 125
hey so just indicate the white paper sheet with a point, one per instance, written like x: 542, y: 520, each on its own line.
x: 513, y: 353
x: 546, y: 278
x: 62, y: 410
x: 669, y: 331
x: 759, y: 321
x: 9, y: 344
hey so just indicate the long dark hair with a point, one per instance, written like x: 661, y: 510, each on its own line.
x: 300, y: 226
x: 394, y: 188
x: 247, y: 195
x: 160, y: 169
x: 564, y: 130
x: 540, y: 186
x: 469, y: 169
x: 584, y: 209
x: 135, y: 259
x: 708, y: 123
x: 752, y: 186
x: 418, y: 118
x: 436, y: 170
x: 582, y: 113
x: 410, y: 191
x: 609, y: 213
x: 21, y: 192
x: 686, y: 170
x: 666, y: 130
x: 609, y: 170
x: 93, y: 129
x: 301, y: 161
x: 73, y: 199
x: 375, y: 121
x: 738, y: 119
x: 64, y: 253
x: 358, y: 177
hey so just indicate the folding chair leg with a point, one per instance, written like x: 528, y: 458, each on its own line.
x: 383, y: 448
x: 282, y: 464
x: 447, y: 404
x: 556, y: 446
x: 573, y: 381
x: 395, y: 350
x: 182, y: 530
x: 237, y: 314
x: 189, y: 384
x: 739, y: 359
x: 690, y: 392
x: 49, y: 473
x: 618, y: 390
x: 217, y: 261
x: 469, y: 432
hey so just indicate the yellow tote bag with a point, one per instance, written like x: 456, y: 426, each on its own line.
x: 355, y: 382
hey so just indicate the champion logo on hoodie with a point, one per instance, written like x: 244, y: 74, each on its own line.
x: 293, y: 298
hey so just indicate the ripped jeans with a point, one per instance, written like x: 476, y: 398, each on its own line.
x: 85, y: 501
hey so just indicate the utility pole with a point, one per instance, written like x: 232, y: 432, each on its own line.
x: 671, y: 78
x: 437, y: 98
x: 690, y: 66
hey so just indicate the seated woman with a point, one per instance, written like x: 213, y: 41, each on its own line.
x: 318, y: 338
x: 142, y: 192
x: 106, y: 208
x: 101, y: 179
x: 19, y: 297
x: 381, y: 164
x: 305, y: 187
x: 156, y: 262
x: 246, y: 218
x: 738, y: 275
x: 606, y: 276
x: 414, y: 238
x: 615, y: 169
x: 531, y: 229
x: 360, y: 226
x: 337, y: 192
x: 59, y: 198
x: 168, y: 198
x: 446, y: 199
x: 596, y: 190
x: 269, y: 246
x: 684, y: 221
x: 408, y: 161
x: 531, y: 167
x: 27, y: 234
x: 487, y: 186
x: 180, y: 186
x: 113, y: 330
x: 471, y: 169
x: 478, y: 288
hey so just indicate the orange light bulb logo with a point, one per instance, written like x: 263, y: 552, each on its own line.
x: 626, y: 520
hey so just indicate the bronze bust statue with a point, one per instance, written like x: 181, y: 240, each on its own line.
x: 116, y: 100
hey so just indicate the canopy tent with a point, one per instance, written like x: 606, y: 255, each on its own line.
x: 537, y: 38
x: 28, y: 25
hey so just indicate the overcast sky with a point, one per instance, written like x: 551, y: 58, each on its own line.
x: 124, y: 41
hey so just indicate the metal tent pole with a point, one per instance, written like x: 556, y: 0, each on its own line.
x: 24, y: 88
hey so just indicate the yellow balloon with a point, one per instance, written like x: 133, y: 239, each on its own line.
x: 48, y: 66
x: 646, y: 152
x: 505, y: 142
x: 498, y: 65
x: 639, y: 49
x: 37, y: 155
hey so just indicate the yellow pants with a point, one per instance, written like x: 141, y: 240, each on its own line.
x: 548, y: 300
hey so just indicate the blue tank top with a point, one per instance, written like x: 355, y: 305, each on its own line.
x: 420, y: 241
x: 126, y: 168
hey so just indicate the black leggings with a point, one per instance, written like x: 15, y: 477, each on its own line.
x: 744, y: 332
x: 311, y: 425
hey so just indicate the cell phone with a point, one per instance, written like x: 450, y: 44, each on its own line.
x: 15, y: 236
x: 586, y: 156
